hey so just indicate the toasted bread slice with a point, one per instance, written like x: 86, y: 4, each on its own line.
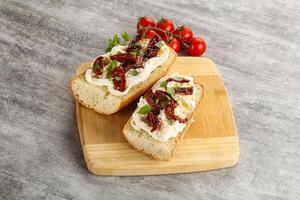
x: 100, y: 100
x: 146, y: 144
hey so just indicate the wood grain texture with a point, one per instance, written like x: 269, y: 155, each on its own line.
x: 254, y: 44
x: 210, y: 143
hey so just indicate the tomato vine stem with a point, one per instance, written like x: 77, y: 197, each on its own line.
x: 185, y: 44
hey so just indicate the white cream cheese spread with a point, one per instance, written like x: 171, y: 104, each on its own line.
x: 186, y: 105
x: 131, y: 80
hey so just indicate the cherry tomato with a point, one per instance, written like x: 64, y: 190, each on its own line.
x: 185, y: 32
x: 145, y: 22
x: 166, y: 25
x: 173, y: 42
x: 196, y: 47
x: 148, y: 34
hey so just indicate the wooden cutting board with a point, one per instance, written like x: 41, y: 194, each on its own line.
x: 210, y: 143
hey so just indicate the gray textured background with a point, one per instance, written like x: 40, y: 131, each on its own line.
x: 255, y: 44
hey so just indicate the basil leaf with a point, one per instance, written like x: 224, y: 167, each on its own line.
x: 134, y: 72
x: 171, y: 92
x: 145, y: 109
x: 134, y: 53
x: 116, y: 39
x: 159, y: 44
x: 96, y: 66
x: 163, y: 84
x: 109, y: 47
x: 169, y: 122
x: 110, y: 68
x: 112, y: 42
x: 125, y: 36
x: 178, y: 78
x: 114, y: 64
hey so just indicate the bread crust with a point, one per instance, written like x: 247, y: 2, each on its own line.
x: 98, y: 103
x: 154, y: 148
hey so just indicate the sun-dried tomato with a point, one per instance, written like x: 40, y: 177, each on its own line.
x: 150, y: 97
x: 184, y: 90
x: 124, y: 57
x: 128, y: 59
x: 119, y: 79
x: 170, y: 112
x: 139, y: 62
x: 178, y: 80
x: 128, y: 65
x: 153, y: 121
x: 158, y: 97
x: 133, y: 47
x: 132, y: 43
x: 151, y: 52
x: 98, y: 66
x: 156, y: 109
x: 160, y: 100
x: 161, y: 94
x: 163, y: 98
x: 154, y: 41
x: 152, y: 49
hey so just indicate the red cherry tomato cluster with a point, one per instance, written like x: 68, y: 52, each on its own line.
x: 178, y: 39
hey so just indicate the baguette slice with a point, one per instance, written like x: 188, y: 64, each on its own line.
x: 145, y: 143
x: 100, y: 100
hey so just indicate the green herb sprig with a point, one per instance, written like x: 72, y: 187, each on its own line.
x: 171, y: 92
x: 110, y: 68
x: 96, y: 66
x: 116, y: 40
x: 134, y: 72
x: 125, y: 36
x: 145, y: 109
x: 169, y: 122
x: 163, y: 84
x: 178, y: 78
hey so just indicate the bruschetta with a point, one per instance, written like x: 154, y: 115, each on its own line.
x: 120, y: 76
x: 163, y: 116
